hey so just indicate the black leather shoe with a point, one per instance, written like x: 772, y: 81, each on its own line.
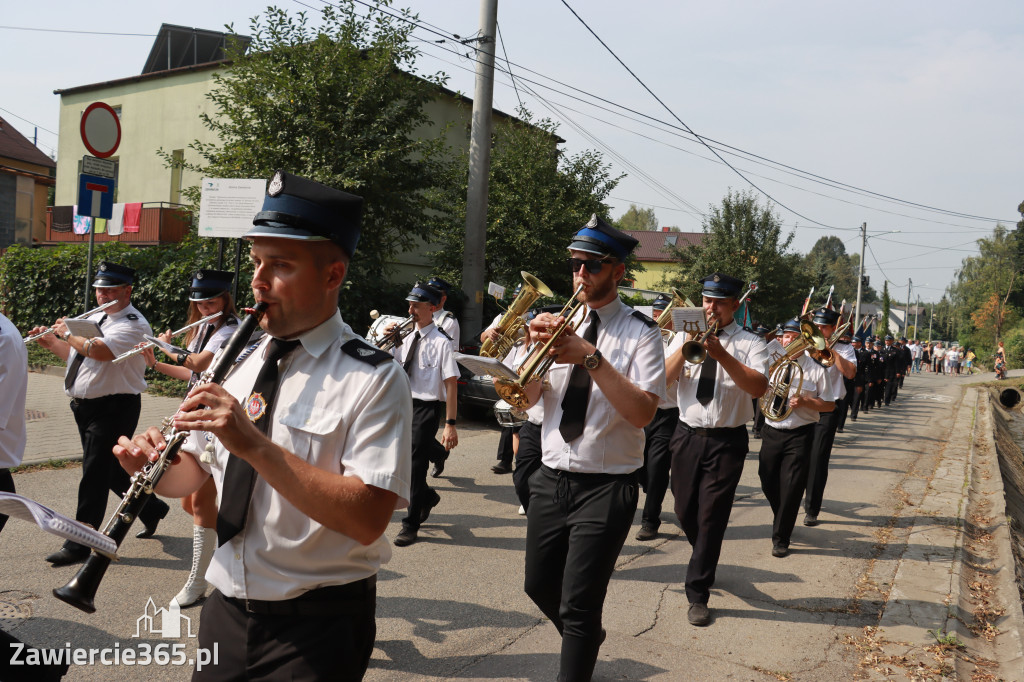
x: 698, y: 614
x: 646, y: 533
x: 779, y: 551
x: 406, y: 537
x: 66, y: 556
x: 150, y: 528
x: 438, y: 469
x: 810, y: 519
x: 502, y: 468
x: 425, y: 512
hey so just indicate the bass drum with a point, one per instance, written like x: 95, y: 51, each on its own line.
x: 376, y: 332
x: 508, y: 415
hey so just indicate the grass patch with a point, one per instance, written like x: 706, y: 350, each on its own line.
x: 48, y: 465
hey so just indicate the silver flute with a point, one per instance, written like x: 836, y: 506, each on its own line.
x: 149, y: 344
x: 49, y: 330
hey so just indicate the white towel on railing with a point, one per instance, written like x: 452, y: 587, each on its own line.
x: 115, y: 225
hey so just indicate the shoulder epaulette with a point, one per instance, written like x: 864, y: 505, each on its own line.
x: 643, y: 318
x: 232, y: 322
x: 444, y: 333
x: 360, y: 350
x: 131, y: 316
x: 448, y: 314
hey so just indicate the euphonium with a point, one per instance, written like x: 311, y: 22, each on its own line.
x: 665, y: 319
x: 513, y: 391
x: 80, y: 592
x: 786, y: 371
x: 510, y: 326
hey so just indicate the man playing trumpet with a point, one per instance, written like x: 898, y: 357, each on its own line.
x: 710, y: 442
x: 605, y: 385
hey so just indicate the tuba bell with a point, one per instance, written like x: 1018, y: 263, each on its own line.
x: 786, y: 371
x: 678, y: 301
x: 510, y: 326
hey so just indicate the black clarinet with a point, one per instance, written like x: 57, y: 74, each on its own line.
x: 80, y: 591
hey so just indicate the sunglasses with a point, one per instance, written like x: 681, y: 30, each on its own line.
x: 592, y: 266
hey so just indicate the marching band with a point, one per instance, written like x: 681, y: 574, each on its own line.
x: 607, y: 401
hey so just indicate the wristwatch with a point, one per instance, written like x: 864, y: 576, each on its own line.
x: 67, y: 333
x: 593, y: 361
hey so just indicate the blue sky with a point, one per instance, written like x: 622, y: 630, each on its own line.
x: 917, y: 101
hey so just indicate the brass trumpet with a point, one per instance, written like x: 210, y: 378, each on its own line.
x: 49, y: 330
x: 395, y: 336
x: 694, y: 351
x: 150, y: 344
x: 513, y: 391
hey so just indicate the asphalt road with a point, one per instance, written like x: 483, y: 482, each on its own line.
x: 452, y: 605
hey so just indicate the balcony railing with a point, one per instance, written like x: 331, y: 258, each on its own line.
x: 160, y: 222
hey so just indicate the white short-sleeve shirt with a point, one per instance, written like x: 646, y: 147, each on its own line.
x: 121, y: 332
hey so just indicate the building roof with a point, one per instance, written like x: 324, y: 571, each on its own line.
x: 14, y: 145
x: 655, y: 246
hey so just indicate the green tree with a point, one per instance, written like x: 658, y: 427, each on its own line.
x: 338, y: 103
x: 538, y: 197
x: 828, y: 264
x: 637, y: 219
x: 745, y: 240
x: 983, y: 292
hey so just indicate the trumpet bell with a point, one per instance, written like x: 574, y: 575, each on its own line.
x: 513, y: 393
x: 694, y: 352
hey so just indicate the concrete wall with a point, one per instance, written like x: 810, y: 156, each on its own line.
x: 156, y: 112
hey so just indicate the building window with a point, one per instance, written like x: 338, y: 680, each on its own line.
x: 177, y: 162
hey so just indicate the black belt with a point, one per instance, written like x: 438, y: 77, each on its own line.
x: 713, y: 433
x: 322, y: 601
x: 798, y: 429
x: 112, y: 396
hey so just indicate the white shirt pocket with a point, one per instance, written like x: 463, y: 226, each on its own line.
x: 306, y: 427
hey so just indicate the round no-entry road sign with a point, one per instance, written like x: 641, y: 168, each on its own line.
x: 101, y: 130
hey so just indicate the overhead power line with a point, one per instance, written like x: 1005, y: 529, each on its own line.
x: 88, y: 33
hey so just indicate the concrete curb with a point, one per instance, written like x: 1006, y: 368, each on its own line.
x: 925, y: 592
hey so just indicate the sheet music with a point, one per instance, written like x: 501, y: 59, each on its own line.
x: 169, y: 348
x: 89, y: 329
x: 689, y: 320
x: 491, y: 367
x: 21, y: 507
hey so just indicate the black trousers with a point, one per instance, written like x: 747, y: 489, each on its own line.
x: 858, y: 401
x: 6, y: 486
x: 426, y: 419
x: 576, y: 526
x: 705, y: 473
x: 101, y: 421
x: 821, y: 451
x: 843, y: 406
x: 332, y: 640
x: 528, y: 458
x: 782, y: 468
x: 505, y: 445
x: 654, y: 474
x: 890, y: 389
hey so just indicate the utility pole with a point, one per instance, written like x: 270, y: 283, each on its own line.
x: 906, y: 315
x: 917, y: 310
x: 860, y: 275
x: 479, y: 169
x: 930, y: 318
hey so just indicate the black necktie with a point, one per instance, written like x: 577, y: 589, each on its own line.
x: 577, y: 393
x: 706, y: 382
x: 411, y: 357
x: 239, y: 476
x: 76, y: 364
